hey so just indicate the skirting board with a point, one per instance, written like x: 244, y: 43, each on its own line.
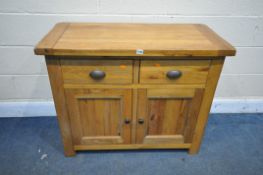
x: 46, y: 108
x: 27, y: 109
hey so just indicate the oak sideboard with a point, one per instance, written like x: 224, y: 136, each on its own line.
x: 133, y: 86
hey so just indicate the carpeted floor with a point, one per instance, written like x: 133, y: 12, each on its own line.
x: 233, y: 145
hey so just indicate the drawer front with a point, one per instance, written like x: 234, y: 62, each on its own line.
x: 174, y: 72
x: 97, y: 71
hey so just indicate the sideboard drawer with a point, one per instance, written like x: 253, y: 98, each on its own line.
x: 83, y: 71
x: 174, y: 72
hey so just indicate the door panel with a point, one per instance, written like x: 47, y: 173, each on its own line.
x: 164, y: 115
x: 167, y: 115
x: 107, y: 116
x: 97, y: 115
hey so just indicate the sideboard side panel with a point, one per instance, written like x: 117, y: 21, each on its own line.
x: 213, y: 76
x: 56, y: 82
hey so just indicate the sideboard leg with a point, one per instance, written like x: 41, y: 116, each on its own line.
x: 69, y: 152
x: 66, y: 136
x: 193, y: 151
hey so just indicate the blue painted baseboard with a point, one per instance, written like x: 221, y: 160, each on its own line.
x: 46, y: 108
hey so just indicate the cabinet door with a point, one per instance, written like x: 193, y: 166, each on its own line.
x: 167, y: 116
x: 99, y: 116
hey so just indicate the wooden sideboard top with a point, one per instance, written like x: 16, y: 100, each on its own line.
x: 102, y: 39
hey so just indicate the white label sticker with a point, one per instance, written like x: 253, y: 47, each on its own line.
x: 139, y: 51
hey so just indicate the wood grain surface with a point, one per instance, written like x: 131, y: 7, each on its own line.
x: 78, y: 71
x: 193, y: 72
x: 101, y: 39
